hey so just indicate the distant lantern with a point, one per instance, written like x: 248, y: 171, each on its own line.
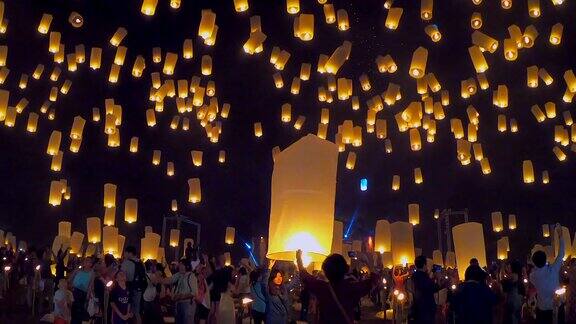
x: 545, y: 177
x: 545, y: 76
x: 292, y: 6
x: 342, y: 18
x: 174, y: 205
x: 110, y: 216
x: 131, y: 210
x: 528, y: 171
x: 44, y: 24
x: 109, y: 195
x: 329, y: 13
x: 110, y: 240
x: 95, y: 58
x: 230, y: 234
x: 54, y: 42
x: 468, y: 244
x: 512, y: 222
x: 222, y: 156
x: 75, y: 19
x: 560, y: 155
x: 149, y: 7
x: 76, y: 240
x: 510, y: 50
x: 476, y: 20
x: 538, y: 113
x: 414, y: 214
x: 393, y: 18
x: 497, y: 223
x: 206, y: 65
x: 55, y: 197
x: 194, y: 190
x: 56, y: 164
x: 402, y: 243
x: 32, y: 124
x: 241, y: 5
x: 415, y: 141
x: 545, y: 230
x: 156, y: 157
x: 77, y: 127
x: 93, y: 230
x: 363, y: 184
x: 207, y: 23
x: 149, y: 246
x: 118, y: 36
x: 534, y: 8
x: 426, y: 7
x: 501, y: 252
x: 556, y: 34
x: 174, y: 237
x: 418, y: 178
x: 418, y: 63
x: 54, y: 142
x: 382, y: 237
x: 570, y: 79
x: 294, y: 198
x: 351, y: 160
x: 433, y: 32
x: 196, y: 158
x: 485, y: 42
x: 396, y: 182
x: 114, y: 73
x: 478, y: 59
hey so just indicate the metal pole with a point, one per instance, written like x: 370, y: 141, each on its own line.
x: 439, y: 228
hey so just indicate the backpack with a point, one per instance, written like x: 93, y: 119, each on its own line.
x: 150, y: 292
x: 140, y: 281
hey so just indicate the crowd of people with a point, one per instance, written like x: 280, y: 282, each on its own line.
x: 63, y: 288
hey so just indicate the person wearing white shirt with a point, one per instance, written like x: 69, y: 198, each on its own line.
x: 546, y: 279
x: 185, y: 290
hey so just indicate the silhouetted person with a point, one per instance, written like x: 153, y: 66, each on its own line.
x: 546, y: 279
x: 337, y: 297
x: 423, y: 288
x: 473, y: 301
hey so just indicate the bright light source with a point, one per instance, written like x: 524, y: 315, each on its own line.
x: 246, y: 300
x: 363, y: 184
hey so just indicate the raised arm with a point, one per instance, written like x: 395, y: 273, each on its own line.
x: 561, y: 250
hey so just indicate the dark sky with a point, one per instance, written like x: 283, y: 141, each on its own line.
x: 237, y: 193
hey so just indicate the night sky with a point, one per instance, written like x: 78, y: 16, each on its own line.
x: 237, y: 193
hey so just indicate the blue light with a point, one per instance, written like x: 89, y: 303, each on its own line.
x: 248, y: 246
x: 363, y: 184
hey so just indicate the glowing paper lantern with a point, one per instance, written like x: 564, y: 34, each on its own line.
x: 393, y: 18
x: 437, y: 258
x: 476, y: 20
x: 149, y: 7
x: 351, y: 161
x: 556, y: 34
x: 32, y: 122
x: 44, y: 24
x: 468, y: 244
x: 497, y: 225
x: 109, y: 195
x: 149, y: 247
x: 545, y: 230
x: 342, y: 18
x: 501, y: 252
x: 382, y: 237
x: 207, y: 24
x: 527, y: 171
x: 570, y: 79
x: 292, y: 6
x: 54, y: 143
x: 303, y: 183
x: 131, y: 210
x: 433, y: 32
x: 418, y: 63
x: 76, y: 240
x: 229, y: 237
x: 512, y: 222
x: 194, y: 191
x: 110, y: 216
x: 545, y: 177
x: 174, y: 237
x: 478, y: 59
x: 414, y: 214
x: 485, y: 42
x: 118, y: 36
x: 545, y: 76
x: 110, y: 239
x: 402, y: 243
x: 93, y: 229
x: 534, y: 8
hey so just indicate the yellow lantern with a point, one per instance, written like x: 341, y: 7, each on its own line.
x: 32, y: 122
x: 207, y: 24
x: 109, y: 195
x: 532, y: 76
x: 418, y: 63
x: 110, y: 216
x: 414, y: 214
x: 38, y: 71
x: 528, y: 171
x: 329, y: 13
x: 114, y: 72
x: 545, y: 76
x: 501, y: 252
x: 497, y: 224
x: 433, y: 32
x: 56, y: 164
x: 76, y: 240
x: 110, y: 240
x: 485, y: 42
x: 418, y: 178
x: 402, y: 243
x: 292, y: 6
x: 556, y: 34
x: 510, y: 50
x: 382, y: 237
x: 545, y: 230
x: 512, y: 222
x: 230, y: 233
x: 258, y: 129
x: 560, y: 155
x: 174, y: 237
x: 530, y: 35
x: 54, y: 42
x: 311, y: 192
x: 64, y: 229
x: 194, y: 190
x: 342, y: 18
x: 415, y: 141
x: 95, y: 58
x: 393, y: 18
x: 241, y: 5
x: 396, y: 182
x: 570, y: 80
x: 351, y: 160
x: 534, y: 8
x: 478, y: 59
x: 286, y: 115
x: 156, y: 156
x: 476, y: 20
x: 426, y: 8
x: 149, y: 246
x: 93, y: 230
x: 538, y: 114
x: 196, y: 158
x: 299, y: 122
x: 44, y: 24
x: 131, y: 210
x: 468, y: 244
x: 206, y: 65
x: 54, y: 143
x: 148, y: 7
x: 118, y: 36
